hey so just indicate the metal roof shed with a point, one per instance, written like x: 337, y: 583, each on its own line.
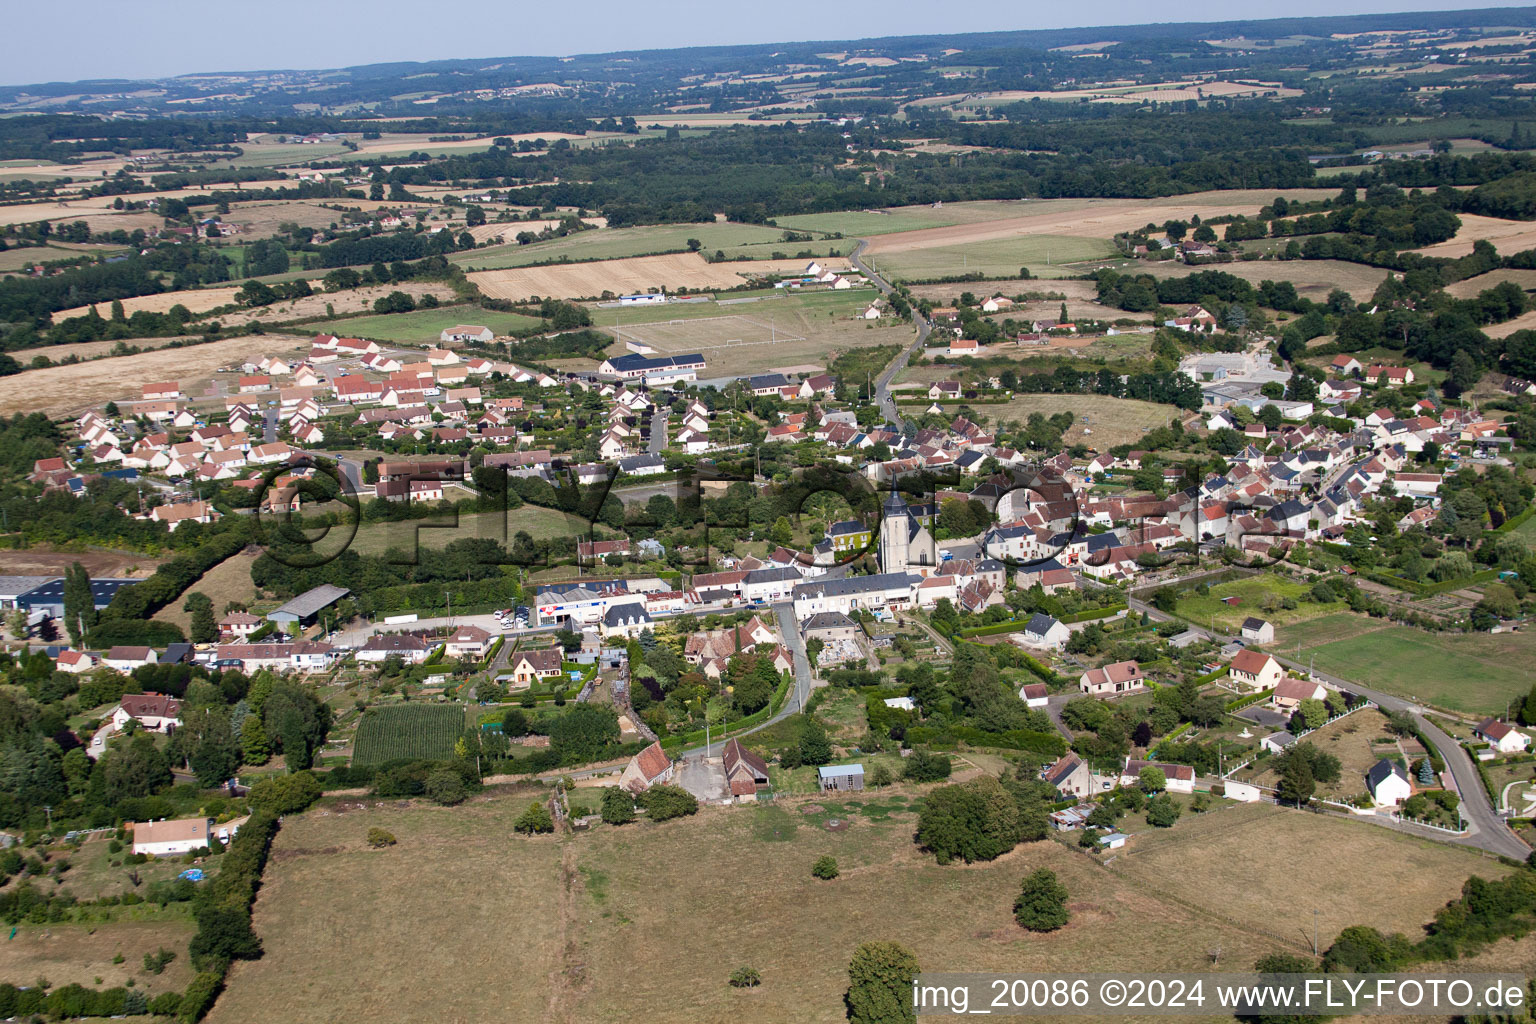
x: 308, y: 604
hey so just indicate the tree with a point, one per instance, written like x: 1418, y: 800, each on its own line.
x: 1296, y: 782
x: 1528, y: 707
x: 1313, y: 713
x: 1041, y: 905
x: 514, y: 723
x: 79, y: 606
x: 825, y: 868
x: 745, y: 977
x: 925, y: 767
x: 880, y: 985
x: 815, y: 746
x: 1162, y: 811
x: 534, y: 820
x: 378, y: 838
x: 973, y: 821
x: 880, y: 777
x: 285, y: 794
x: 253, y: 741
x: 782, y: 532
x: 445, y: 786
x: 1152, y: 780
x: 618, y: 806
x: 204, y: 629
x: 665, y: 802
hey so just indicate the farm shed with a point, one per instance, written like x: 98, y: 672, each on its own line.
x: 303, y: 609
x: 841, y: 776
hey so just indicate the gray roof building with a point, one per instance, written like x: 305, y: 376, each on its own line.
x: 308, y: 604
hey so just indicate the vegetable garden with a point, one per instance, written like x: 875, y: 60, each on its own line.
x: 426, y: 731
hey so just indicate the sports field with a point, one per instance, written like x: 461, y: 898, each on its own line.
x: 348, y: 932
x: 425, y: 325
x: 617, y: 243
x: 1472, y: 672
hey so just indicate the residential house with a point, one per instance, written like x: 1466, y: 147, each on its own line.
x: 528, y: 667
x: 1258, y: 631
x: 169, y: 838
x: 1070, y: 776
x: 650, y: 767
x: 1121, y: 677
x: 1501, y: 737
x: 1255, y: 671
x: 745, y: 772
x: 155, y: 712
x: 1388, y: 784
x: 848, y: 777
x: 125, y: 659
x: 1035, y: 695
x: 1045, y: 631
x: 412, y: 650
x: 1290, y: 692
x: 467, y: 642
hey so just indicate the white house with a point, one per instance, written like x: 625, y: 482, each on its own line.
x: 1255, y: 670
x: 1045, y: 631
x: 1388, y: 783
x: 1122, y: 677
x: 1034, y: 695
x: 1258, y: 631
x: 126, y: 659
x: 1501, y: 737
x: 170, y: 838
x: 465, y: 332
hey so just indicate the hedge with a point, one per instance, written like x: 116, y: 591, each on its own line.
x: 1211, y: 677
x: 1514, y: 521
x: 143, y: 599
x: 1048, y: 743
x: 1428, y: 589
x: 1182, y: 728
x: 1093, y: 613
x: 1252, y: 698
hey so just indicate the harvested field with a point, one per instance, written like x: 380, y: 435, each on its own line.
x: 625, y: 276
x: 622, y: 243
x: 201, y: 300
x: 1507, y: 236
x: 1467, y: 289
x: 61, y: 390
x: 1044, y: 255
x: 1313, y: 279
x: 81, y: 953
x: 1523, y: 322
x: 228, y: 581
x: 1085, y: 218
x: 45, y: 561
x: 330, y: 907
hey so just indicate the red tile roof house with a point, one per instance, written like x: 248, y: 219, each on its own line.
x: 1501, y: 737
x: 530, y: 666
x: 650, y: 767
x: 1290, y: 692
x: 1255, y: 671
x: 126, y: 659
x: 744, y: 770
x: 1180, y: 777
x: 239, y: 625
x: 1113, y: 680
x: 154, y: 712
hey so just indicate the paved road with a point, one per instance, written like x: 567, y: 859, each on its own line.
x: 269, y: 433
x: 1486, y: 829
x: 883, y: 382
x: 659, y: 431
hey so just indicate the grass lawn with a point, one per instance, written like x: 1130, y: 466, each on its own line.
x: 541, y: 524
x: 1099, y: 422
x: 1526, y: 531
x: 1472, y: 672
x: 1042, y: 254
x: 228, y: 581
x: 425, y: 325
x: 1523, y: 778
x: 584, y: 903
x: 1251, y: 592
x: 617, y: 243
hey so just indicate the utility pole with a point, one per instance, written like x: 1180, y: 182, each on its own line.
x: 1314, y: 931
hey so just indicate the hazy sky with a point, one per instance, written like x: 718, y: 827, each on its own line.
x: 157, y: 38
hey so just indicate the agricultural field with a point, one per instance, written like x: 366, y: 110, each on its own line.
x: 61, y: 390
x: 1045, y: 255
x: 423, y: 326
x: 46, y: 561
x: 1507, y: 236
x: 1253, y: 594
x: 201, y: 300
x: 408, y: 731
x: 1472, y: 672
x: 583, y: 901
x: 1469, y: 288
x: 679, y: 271
x: 752, y: 240
x: 1313, y: 279
x: 540, y: 523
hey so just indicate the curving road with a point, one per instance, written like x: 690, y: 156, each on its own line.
x: 1486, y: 829
x: 924, y: 326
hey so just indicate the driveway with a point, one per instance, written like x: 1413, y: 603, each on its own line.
x: 703, y: 777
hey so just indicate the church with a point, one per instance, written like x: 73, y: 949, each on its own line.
x: 905, y: 543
